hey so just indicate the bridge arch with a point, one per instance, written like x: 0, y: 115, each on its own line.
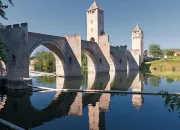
x: 58, y: 53
x: 112, y: 61
x: 91, y: 59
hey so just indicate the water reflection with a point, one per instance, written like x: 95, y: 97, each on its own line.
x: 20, y: 110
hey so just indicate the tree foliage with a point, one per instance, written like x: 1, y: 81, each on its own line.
x: 169, y: 53
x: 3, y: 7
x: 84, y: 60
x: 44, y: 62
x: 172, y: 101
x: 155, y: 50
x: 3, y: 48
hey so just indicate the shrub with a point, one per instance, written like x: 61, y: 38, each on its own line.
x: 173, y: 69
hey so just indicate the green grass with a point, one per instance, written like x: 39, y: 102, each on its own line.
x: 171, y: 64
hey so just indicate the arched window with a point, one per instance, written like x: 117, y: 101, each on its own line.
x: 70, y: 60
x: 100, y: 61
x: 92, y: 39
x: 120, y: 61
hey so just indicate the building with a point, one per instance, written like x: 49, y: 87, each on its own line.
x: 95, y: 23
x: 138, y: 41
x: 177, y: 53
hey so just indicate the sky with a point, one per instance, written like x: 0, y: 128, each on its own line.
x: 159, y: 19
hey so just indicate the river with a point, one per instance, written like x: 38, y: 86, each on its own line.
x: 96, y: 111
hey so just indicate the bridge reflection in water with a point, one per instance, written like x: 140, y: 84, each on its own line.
x: 18, y: 109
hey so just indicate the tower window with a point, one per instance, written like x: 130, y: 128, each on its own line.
x: 93, y: 12
x: 92, y: 39
x: 70, y: 60
x: 91, y: 29
x: 120, y: 61
x: 100, y: 61
x: 91, y: 21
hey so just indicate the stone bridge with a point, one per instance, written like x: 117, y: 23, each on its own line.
x: 101, y: 57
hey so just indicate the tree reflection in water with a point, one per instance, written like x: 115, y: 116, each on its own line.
x: 154, y: 81
x: 46, y: 80
x: 169, y: 80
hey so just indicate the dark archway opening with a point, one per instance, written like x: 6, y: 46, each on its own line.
x: 92, y: 39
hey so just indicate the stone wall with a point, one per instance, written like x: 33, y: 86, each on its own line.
x: 15, y: 38
x: 133, y: 59
x: 98, y: 55
x: 119, y: 58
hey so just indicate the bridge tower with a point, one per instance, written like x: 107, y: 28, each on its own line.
x: 138, y: 42
x: 95, y: 23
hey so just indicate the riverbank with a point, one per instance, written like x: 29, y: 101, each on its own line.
x: 163, y: 65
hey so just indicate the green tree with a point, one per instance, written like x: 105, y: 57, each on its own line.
x: 155, y: 50
x: 84, y: 60
x: 172, y: 102
x: 169, y: 53
x: 45, y: 62
x: 3, y: 48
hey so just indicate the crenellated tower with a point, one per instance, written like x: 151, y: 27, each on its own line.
x: 95, y: 23
x: 138, y: 41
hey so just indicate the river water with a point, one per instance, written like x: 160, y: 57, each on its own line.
x: 96, y: 111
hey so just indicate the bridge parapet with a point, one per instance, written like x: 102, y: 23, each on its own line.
x: 119, y: 57
x: 17, y: 25
x: 15, y: 37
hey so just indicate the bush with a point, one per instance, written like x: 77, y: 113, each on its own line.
x: 173, y: 69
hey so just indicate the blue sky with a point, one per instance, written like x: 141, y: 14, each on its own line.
x: 159, y: 19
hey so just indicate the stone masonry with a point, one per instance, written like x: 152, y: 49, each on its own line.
x: 101, y: 56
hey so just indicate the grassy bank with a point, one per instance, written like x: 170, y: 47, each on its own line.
x: 171, y: 64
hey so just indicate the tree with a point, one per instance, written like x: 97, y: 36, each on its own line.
x: 84, y: 61
x: 155, y: 50
x: 45, y: 62
x: 3, y: 48
x: 169, y: 53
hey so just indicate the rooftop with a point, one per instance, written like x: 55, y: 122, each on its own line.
x: 137, y: 28
x: 94, y: 6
